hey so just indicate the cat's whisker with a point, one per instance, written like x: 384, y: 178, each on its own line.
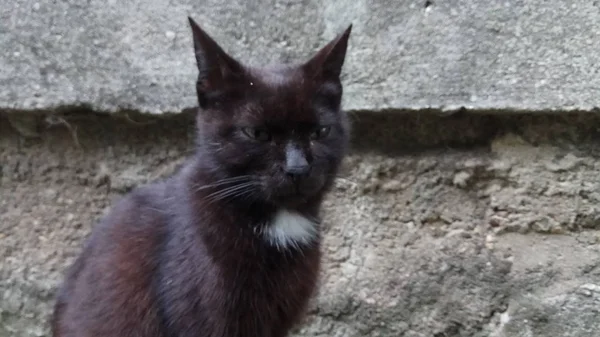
x: 231, y: 191
x: 232, y: 179
x: 232, y: 188
x: 250, y: 195
x: 346, y: 180
x: 246, y: 195
x: 228, y: 198
x: 225, y: 181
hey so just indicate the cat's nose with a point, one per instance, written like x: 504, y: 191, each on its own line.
x: 296, y: 164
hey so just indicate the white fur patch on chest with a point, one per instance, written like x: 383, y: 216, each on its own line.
x: 290, y: 229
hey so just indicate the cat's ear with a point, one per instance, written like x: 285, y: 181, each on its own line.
x: 327, y: 63
x: 215, y: 66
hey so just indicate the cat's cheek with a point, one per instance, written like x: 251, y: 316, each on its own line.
x: 326, y: 151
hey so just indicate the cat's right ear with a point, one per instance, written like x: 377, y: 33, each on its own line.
x: 328, y: 62
x: 215, y: 66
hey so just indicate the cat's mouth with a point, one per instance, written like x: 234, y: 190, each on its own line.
x: 291, y: 193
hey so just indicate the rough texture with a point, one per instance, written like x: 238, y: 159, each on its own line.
x: 459, y: 226
x: 134, y: 54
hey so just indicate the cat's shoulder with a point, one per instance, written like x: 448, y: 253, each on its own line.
x: 144, y: 208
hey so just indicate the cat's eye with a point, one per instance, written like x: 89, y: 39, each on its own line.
x: 320, y: 133
x: 259, y: 134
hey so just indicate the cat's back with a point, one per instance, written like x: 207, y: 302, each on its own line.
x: 112, y: 277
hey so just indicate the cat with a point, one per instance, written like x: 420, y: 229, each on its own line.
x: 229, y: 245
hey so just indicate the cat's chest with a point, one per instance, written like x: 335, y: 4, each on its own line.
x: 288, y: 230
x: 267, y: 294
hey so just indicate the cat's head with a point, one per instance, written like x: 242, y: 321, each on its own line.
x: 279, y: 131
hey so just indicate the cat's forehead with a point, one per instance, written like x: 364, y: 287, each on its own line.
x: 281, y: 93
x: 276, y: 78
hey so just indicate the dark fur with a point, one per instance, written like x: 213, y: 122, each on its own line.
x: 183, y: 258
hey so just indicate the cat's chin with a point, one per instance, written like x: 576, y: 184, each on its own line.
x: 290, y: 201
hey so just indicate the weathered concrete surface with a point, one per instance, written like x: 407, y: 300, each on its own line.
x: 478, y: 226
x: 134, y: 54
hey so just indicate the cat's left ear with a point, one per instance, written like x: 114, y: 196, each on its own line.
x: 215, y: 67
x: 327, y: 63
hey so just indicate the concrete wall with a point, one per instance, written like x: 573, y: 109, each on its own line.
x: 483, y: 223
x: 137, y: 54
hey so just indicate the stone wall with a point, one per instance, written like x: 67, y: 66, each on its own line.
x: 469, y: 205
x: 440, y: 226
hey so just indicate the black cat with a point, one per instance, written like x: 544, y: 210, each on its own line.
x: 230, y: 245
